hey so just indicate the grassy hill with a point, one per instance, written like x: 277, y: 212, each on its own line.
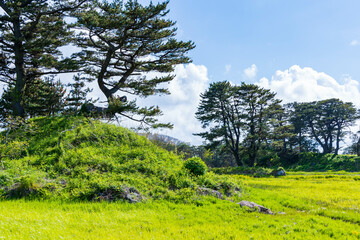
x: 78, y: 158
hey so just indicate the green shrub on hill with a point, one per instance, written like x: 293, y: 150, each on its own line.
x: 78, y: 158
x: 196, y: 166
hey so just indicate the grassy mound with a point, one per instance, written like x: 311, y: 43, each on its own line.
x: 77, y: 158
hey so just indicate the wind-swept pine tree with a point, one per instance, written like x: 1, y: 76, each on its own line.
x: 122, y: 43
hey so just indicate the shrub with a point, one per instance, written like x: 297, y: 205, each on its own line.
x: 196, y: 166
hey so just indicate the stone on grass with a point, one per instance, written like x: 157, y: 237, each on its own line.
x: 209, y: 192
x: 254, y: 206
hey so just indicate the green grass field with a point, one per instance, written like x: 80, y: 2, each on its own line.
x: 317, y: 206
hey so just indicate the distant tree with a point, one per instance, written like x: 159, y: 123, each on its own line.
x: 235, y: 112
x: 258, y: 106
x: 122, y: 43
x: 221, y: 112
x: 354, y: 148
x: 31, y: 33
x: 327, y: 121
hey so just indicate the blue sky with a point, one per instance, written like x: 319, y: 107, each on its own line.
x: 304, y: 50
x: 273, y: 34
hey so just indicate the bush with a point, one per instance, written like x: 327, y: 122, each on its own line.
x: 196, y: 166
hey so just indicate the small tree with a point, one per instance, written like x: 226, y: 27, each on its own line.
x: 40, y: 98
x: 44, y: 97
x: 77, y: 94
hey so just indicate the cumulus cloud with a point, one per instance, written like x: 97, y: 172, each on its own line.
x: 354, y: 43
x: 180, y: 106
x: 251, y: 71
x: 306, y: 84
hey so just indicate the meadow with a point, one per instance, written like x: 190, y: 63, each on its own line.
x: 316, y: 206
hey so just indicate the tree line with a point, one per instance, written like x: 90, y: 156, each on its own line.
x: 251, y: 124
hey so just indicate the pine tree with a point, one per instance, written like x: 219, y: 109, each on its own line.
x: 40, y: 98
x: 77, y: 94
x: 31, y: 33
x: 121, y: 43
x: 44, y: 97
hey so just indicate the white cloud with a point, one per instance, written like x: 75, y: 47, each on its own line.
x: 306, y: 84
x: 227, y: 68
x: 354, y: 43
x: 2, y: 86
x: 251, y: 71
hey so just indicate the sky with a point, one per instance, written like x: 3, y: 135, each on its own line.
x: 304, y: 50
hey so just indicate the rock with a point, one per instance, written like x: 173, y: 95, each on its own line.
x: 131, y: 195
x: 210, y: 192
x: 255, y: 206
x: 281, y: 213
x: 279, y: 172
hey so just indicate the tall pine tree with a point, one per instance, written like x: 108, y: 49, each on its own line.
x: 31, y: 33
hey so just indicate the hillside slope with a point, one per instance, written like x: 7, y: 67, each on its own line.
x: 79, y: 158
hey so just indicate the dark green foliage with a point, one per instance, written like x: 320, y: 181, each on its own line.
x: 196, y: 166
x: 31, y: 33
x: 251, y: 171
x: 325, y: 121
x: 44, y: 97
x: 218, y: 157
x: 78, y: 158
x: 39, y: 98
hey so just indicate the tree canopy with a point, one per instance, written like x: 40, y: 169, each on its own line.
x: 31, y: 33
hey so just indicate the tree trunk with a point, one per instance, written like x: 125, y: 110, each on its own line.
x: 19, y: 69
x: 337, y: 141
